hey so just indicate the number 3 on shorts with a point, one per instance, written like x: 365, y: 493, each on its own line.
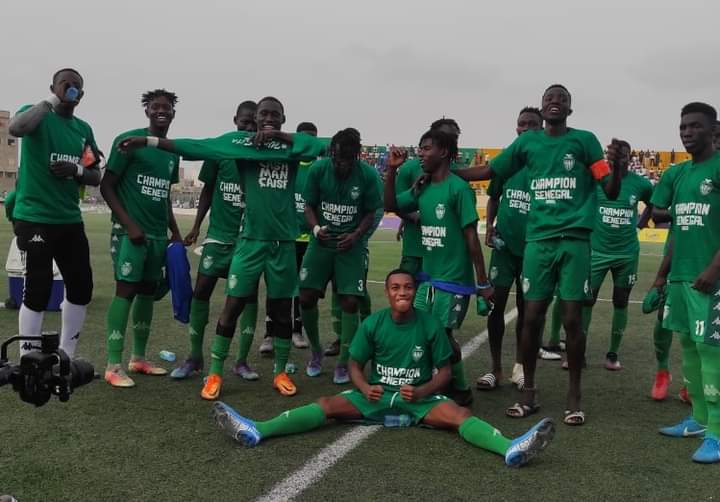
x: 361, y: 285
x: 699, y: 328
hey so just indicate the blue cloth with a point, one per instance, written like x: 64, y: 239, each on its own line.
x: 178, y: 274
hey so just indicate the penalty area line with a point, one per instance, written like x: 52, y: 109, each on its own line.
x: 314, y: 469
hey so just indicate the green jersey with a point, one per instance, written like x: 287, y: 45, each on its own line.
x: 692, y: 192
x: 9, y: 204
x: 513, y: 209
x: 379, y: 212
x: 42, y: 197
x: 446, y: 208
x: 300, y: 181
x: 228, y: 201
x: 615, y: 231
x: 340, y: 204
x: 406, y: 176
x: 562, y: 187
x: 144, y: 187
x: 401, y: 353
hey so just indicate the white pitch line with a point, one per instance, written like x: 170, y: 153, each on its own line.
x: 607, y: 300
x: 315, y: 468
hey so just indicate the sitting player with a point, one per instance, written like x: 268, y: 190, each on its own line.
x: 403, y: 345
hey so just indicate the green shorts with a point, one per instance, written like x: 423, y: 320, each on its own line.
x: 138, y: 263
x: 411, y: 264
x: 560, y: 262
x: 623, y: 269
x: 450, y: 309
x: 216, y: 258
x: 346, y: 269
x: 505, y: 268
x: 390, y: 403
x: 275, y: 260
x: 689, y: 311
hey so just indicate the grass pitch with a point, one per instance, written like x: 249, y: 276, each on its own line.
x: 156, y: 442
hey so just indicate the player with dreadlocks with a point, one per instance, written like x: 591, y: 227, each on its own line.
x: 341, y: 199
x: 136, y: 186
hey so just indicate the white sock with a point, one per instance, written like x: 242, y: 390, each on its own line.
x: 73, y: 318
x: 29, y: 324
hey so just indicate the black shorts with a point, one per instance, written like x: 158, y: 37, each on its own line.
x: 67, y: 244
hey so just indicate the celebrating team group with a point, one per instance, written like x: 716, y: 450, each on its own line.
x: 298, y: 211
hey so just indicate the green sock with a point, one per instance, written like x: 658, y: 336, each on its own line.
x: 709, y: 357
x: 458, y: 380
x: 302, y: 419
x: 555, y: 323
x: 365, y: 307
x: 619, y: 322
x: 335, y: 313
x: 142, y: 315
x: 219, y: 352
x: 586, y: 318
x: 483, y: 435
x: 117, y: 319
x: 310, y: 320
x: 692, y: 375
x: 349, y: 325
x: 248, y: 321
x: 281, y: 348
x: 199, y: 315
x: 663, y: 341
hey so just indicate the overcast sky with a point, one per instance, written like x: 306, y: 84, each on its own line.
x: 388, y: 68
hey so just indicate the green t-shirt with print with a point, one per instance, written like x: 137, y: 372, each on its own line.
x: 228, y: 199
x: 513, y: 209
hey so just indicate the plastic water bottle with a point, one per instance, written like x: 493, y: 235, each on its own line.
x: 166, y: 355
x: 72, y: 94
x: 397, y: 421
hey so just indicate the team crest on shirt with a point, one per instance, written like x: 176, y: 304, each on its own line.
x: 632, y: 200
x: 493, y: 273
x: 171, y: 166
x: 569, y: 161
x: 355, y: 192
x: 126, y: 268
x: 417, y: 353
x: 440, y: 211
x: 706, y: 186
x: 232, y: 281
x: 303, y: 273
x: 208, y: 262
x: 525, y: 285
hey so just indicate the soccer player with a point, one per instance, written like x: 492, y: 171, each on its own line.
x: 563, y: 166
x: 341, y: 199
x: 136, y: 186
x: 616, y: 249
x: 448, y: 223
x: 509, y: 201
x: 403, y: 346
x: 692, y: 308
x: 222, y: 194
x: 301, y: 244
x: 58, y: 156
x: 267, y: 161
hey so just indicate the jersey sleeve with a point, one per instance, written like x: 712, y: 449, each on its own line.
x: 407, y: 202
x: 495, y: 188
x: 118, y: 161
x: 208, y: 171
x: 404, y: 180
x: 311, y: 192
x: 441, y: 350
x: 595, y: 159
x: 238, y: 145
x: 363, y: 344
x: 175, y: 176
x: 510, y: 160
x: 465, y: 205
x: 372, y: 198
x: 646, y: 191
x: 663, y: 194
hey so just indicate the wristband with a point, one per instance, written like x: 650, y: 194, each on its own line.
x: 80, y: 170
x: 152, y: 141
x: 53, y: 101
x: 484, y: 285
x: 316, y: 230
